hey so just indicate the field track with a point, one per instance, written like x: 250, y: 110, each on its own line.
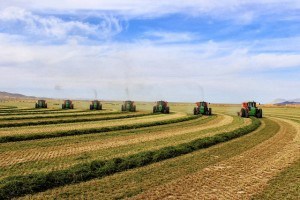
x: 239, y: 177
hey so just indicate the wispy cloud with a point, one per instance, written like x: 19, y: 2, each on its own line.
x: 19, y: 21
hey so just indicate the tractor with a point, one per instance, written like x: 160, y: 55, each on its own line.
x: 41, y: 104
x: 128, y: 106
x: 250, y: 109
x: 202, y: 108
x: 95, y: 105
x: 67, y: 105
x: 161, y: 107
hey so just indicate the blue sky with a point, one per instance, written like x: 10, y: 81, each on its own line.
x: 228, y: 51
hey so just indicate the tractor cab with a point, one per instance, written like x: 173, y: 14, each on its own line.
x: 252, y: 104
x: 202, y: 104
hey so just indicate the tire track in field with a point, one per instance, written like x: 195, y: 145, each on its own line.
x: 14, y: 157
x: 239, y: 177
x: 86, y: 125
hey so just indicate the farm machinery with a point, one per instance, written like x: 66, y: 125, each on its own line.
x: 67, y: 105
x: 128, y: 106
x: 161, y: 107
x: 202, y: 108
x: 41, y: 104
x: 95, y: 105
x: 250, y: 109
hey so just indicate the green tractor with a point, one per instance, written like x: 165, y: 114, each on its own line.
x: 67, y: 105
x: 250, y: 109
x: 202, y: 108
x: 41, y: 104
x: 95, y: 105
x: 161, y: 107
x: 128, y: 106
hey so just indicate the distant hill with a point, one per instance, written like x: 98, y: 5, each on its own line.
x: 7, y: 95
x: 286, y: 102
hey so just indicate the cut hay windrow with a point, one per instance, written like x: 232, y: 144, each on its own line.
x: 62, y: 121
x: 14, y: 138
x: 59, y: 115
x: 41, y: 112
x: 33, y: 183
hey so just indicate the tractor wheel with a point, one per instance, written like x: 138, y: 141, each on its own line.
x: 195, y: 111
x: 122, y: 108
x: 46, y: 106
x: 91, y: 107
x: 63, y: 106
x: 247, y: 114
x: 167, y: 110
x: 72, y: 106
x: 100, y: 107
x: 243, y: 112
x: 154, y: 109
x: 209, y: 111
x: 259, y: 113
x: 134, y: 108
x: 36, y: 105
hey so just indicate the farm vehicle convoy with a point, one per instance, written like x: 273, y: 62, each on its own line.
x: 202, y: 107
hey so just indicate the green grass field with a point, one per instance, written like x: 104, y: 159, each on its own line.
x: 82, y: 154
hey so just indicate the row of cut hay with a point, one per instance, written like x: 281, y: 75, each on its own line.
x: 101, y: 146
x: 129, y: 183
x: 29, y: 184
x: 6, y: 124
x: 43, y: 135
x: 58, y: 115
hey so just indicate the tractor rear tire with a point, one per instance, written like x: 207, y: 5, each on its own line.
x: 46, y: 106
x: 243, y: 112
x: 259, y: 113
x: 167, y: 110
x: 122, y: 108
x: 134, y: 108
x: 209, y: 111
x: 91, y: 107
x: 63, y: 106
x: 100, y: 107
x: 72, y: 106
x: 154, y: 109
x: 36, y: 105
x: 195, y: 111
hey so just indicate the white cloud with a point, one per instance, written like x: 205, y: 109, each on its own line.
x: 17, y: 19
x: 227, y: 9
x: 176, y: 72
x: 170, y: 37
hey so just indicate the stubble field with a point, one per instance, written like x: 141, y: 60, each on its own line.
x: 108, y: 154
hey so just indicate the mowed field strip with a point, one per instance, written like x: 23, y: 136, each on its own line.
x: 83, y: 125
x: 240, y: 168
x: 132, y: 182
x: 13, y: 157
x: 239, y: 177
x: 38, y: 164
